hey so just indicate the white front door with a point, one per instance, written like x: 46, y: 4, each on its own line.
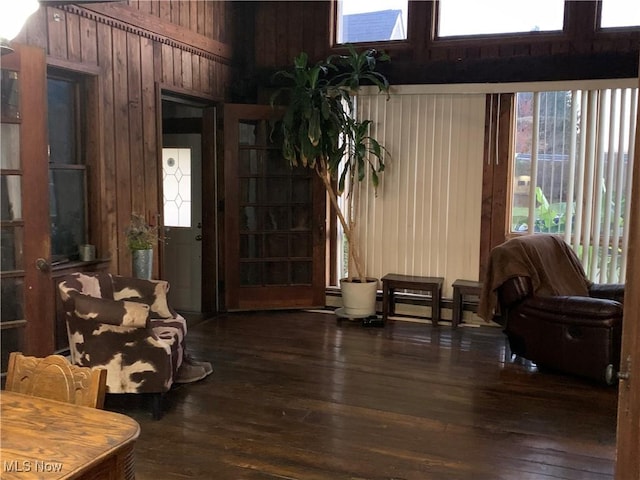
x: 182, y: 197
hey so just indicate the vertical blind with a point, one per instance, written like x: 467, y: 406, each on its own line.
x: 425, y: 218
x: 582, y: 161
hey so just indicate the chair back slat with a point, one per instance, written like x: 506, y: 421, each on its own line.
x: 53, y: 377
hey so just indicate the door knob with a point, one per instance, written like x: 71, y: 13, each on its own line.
x: 42, y: 265
x: 198, y: 238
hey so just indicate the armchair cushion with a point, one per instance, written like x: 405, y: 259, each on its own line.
x: 97, y: 285
x: 113, y: 312
x: 149, y: 292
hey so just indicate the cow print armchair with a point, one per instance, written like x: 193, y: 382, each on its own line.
x: 125, y: 326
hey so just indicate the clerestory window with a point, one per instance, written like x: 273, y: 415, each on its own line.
x: 488, y: 17
x: 366, y: 21
x: 619, y: 13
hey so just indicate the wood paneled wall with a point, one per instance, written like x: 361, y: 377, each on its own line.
x: 129, y: 52
x: 285, y: 28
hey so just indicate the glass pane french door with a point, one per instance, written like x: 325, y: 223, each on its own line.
x: 12, y: 316
x: 26, y: 319
x: 274, y: 219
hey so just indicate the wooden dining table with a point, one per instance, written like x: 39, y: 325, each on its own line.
x: 47, y: 439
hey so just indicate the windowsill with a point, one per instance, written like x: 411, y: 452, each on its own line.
x: 78, y: 264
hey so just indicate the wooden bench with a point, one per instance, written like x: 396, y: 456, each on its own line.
x: 460, y: 289
x: 393, y: 281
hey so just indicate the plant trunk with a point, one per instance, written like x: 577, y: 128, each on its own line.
x: 347, y: 227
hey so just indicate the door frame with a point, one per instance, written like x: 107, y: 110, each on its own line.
x: 628, y: 426
x: 211, y: 238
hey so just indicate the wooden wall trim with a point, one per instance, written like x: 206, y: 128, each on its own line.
x: 496, y: 183
x: 83, y: 68
x: 185, y: 92
x: 154, y: 29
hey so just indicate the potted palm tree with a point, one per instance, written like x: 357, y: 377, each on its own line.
x: 320, y: 130
x: 141, y: 238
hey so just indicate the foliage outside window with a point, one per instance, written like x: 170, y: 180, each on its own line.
x: 572, y: 169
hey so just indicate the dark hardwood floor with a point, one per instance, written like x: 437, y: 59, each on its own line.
x: 297, y: 395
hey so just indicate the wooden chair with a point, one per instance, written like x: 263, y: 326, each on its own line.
x: 53, y: 377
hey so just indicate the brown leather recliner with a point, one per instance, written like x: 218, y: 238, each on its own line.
x: 552, y: 314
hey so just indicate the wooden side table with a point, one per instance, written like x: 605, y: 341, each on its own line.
x: 392, y: 281
x: 460, y: 289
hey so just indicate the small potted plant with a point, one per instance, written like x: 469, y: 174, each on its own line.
x: 141, y: 238
x: 319, y: 130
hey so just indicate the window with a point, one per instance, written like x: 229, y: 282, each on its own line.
x: 371, y: 20
x: 67, y: 172
x: 619, y: 13
x: 572, y: 172
x: 472, y: 17
x: 11, y: 220
x: 176, y: 186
